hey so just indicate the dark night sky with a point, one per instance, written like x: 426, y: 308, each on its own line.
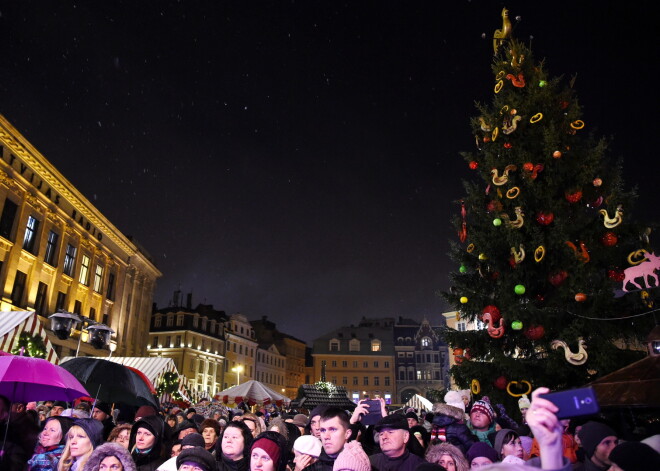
x: 300, y: 159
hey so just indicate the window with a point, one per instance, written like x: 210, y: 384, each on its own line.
x: 365, y: 364
x: 354, y: 345
x: 50, y: 257
x: 40, y: 302
x: 366, y: 381
x: 461, y: 327
x: 375, y: 364
x: 84, y: 270
x: 426, y: 342
x: 334, y: 345
x: 387, y: 380
x: 334, y: 363
x: 92, y: 313
x: 400, y: 354
x: 110, y: 294
x: 376, y: 381
x: 355, y: 380
x: 19, y: 288
x: 344, y: 380
x: 333, y: 380
x: 77, y: 307
x: 69, y: 259
x: 158, y: 321
x: 375, y: 345
x: 98, y: 278
x: 154, y: 342
x: 355, y: 363
x: 386, y: 364
x: 61, y: 301
x: 419, y: 375
x: 344, y: 364
x: 195, y: 320
x: 179, y: 320
x: 30, y: 234
x: 7, y: 218
x: 402, y: 375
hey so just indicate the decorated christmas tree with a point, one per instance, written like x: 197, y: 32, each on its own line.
x: 548, y: 258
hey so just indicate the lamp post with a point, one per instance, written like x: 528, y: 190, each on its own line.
x: 62, y: 324
x: 238, y: 369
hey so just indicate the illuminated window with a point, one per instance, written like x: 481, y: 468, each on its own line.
x: 98, y: 278
x: 426, y: 342
x: 50, y: 257
x: 84, y: 270
x: 69, y: 259
x: 375, y: 345
x: 30, y: 234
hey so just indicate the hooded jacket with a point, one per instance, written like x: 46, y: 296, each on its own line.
x: 446, y: 417
x: 153, y: 458
x: 109, y: 449
x: 47, y: 458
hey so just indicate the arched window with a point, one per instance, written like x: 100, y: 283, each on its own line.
x: 354, y: 345
x: 375, y: 345
x: 334, y: 345
x: 426, y: 342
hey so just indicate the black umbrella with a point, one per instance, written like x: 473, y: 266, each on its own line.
x: 110, y: 382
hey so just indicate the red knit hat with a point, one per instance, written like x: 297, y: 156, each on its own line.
x: 269, y: 446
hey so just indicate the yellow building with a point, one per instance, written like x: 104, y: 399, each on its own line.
x: 57, y: 251
x: 455, y: 322
x: 241, y: 351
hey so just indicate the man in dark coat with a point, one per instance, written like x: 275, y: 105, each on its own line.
x: 393, y: 436
x: 103, y: 413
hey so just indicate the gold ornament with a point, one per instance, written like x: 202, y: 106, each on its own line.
x: 578, y: 124
x: 529, y: 388
x: 539, y: 253
x: 633, y: 257
x: 536, y: 118
x: 496, y: 132
x: 504, y: 109
x: 484, y: 127
x: 513, y: 193
x: 615, y: 221
x: 579, y: 358
x: 501, y: 34
x: 500, y: 75
x: 518, y: 255
x: 470, y: 248
x: 475, y: 386
x: 499, y: 181
x: 498, y: 86
x: 516, y: 223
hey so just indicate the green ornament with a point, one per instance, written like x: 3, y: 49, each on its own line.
x: 542, y: 83
x: 516, y: 325
x: 497, y: 222
x: 519, y: 289
x: 462, y: 269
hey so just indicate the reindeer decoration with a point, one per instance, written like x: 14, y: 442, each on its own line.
x: 644, y: 270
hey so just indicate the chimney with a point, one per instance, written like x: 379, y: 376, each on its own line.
x: 176, y: 298
x: 189, y: 301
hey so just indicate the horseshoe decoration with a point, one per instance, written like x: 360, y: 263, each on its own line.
x: 539, y: 253
x: 578, y: 124
x: 513, y: 383
x: 633, y: 257
x: 536, y: 118
x: 470, y: 248
x: 499, y: 85
x: 475, y: 386
x: 500, y: 75
x: 496, y: 132
x: 513, y: 193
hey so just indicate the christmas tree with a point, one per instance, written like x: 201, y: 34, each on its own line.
x: 544, y: 238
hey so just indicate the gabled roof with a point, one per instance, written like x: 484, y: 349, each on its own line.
x: 310, y: 396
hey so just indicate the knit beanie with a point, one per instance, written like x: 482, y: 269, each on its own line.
x: 481, y: 449
x: 523, y: 402
x: 483, y: 406
x: 352, y: 458
x: 592, y: 433
x: 318, y: 410
x: 197, y: 455
x: 269, y: 446
x: 630, y: 456
x: 308, y: 445
x: 453, y: 398
x: 103, y: 407
x: 412, y: 415
x: 193, y: 439
x: 93, y: 428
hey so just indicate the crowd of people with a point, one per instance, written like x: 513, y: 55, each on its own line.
x: 457, y: 435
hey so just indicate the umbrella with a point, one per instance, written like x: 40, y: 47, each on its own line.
x: 26, y: 379
x: 252, y: 392
x: 144, y: 378
x: 110, y: 382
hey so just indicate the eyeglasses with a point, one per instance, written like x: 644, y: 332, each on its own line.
x: 112, y: 467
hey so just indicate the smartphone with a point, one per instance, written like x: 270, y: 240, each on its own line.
x: 374, y: 414
x: 574, y: 402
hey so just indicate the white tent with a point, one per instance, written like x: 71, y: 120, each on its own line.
x: 420, y: 403
x: 15, y: 323
x: 251, y: 392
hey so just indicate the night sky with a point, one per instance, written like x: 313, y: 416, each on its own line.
x: 300, y: 160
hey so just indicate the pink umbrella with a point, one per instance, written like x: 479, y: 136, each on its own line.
x: 26, y: 379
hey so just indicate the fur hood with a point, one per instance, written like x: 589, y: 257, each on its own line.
x: 109, y: 449
x: 450, y: 411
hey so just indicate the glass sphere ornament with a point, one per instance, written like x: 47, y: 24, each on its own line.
x: 609, y: 239
x: 556, y: 154
x: 497, y: 222
x: 474, y: 165
x: 528, y: 166
x: 542, y: 83
x: 580, y: 297
x: 462, y: 269
x: 517, y: 325
x: 519, y: 289
x: 463, y: 300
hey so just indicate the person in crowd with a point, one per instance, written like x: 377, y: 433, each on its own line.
x: 334, y: 431
x: 144, y: 411
x: 393, y: 436
x: 233, y: 448
x: 110, y: 457
x: 210, y: 431
x: 278, y: 425
x: 184, y: 428
x: 448, y: 456
x: 146, y: 443
x: 81, y: 439
x: 507, y: 442
x: 195, y: 457
x: 306, y: 450
x: 253, y: 423
x: 523, y: 406
x: 482, y: 419
x: 481, y: 454
x: 598, y: 440
x: 412, y: 419
x: 191, y: 441
x: 57, y: 408
x: 315, y: 420
x: 171, y: 421
x: 629, y: 456
x: 52, y: 440
x: 190, y: 412
x: 121, y: 434
x: 421, y: 435
x: 448, y: 426
x: 176, y: 448
x: 19, y: 433
x: 352, y: 458
x: 103, y: 413
x: 268, y: 452
x: 300, y: 421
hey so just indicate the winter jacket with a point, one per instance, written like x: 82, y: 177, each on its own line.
x: 405, y: 462
x: 225, y: 464
x: 153, y: 458
x: 109, y: 449
x: 446, y: 419
x: 45, y: 458
x: 324, y: 463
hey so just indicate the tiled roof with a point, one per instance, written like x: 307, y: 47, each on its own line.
x: 312, y: 397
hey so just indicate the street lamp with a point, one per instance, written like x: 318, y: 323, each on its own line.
x: 63, y: 323
x: 238, y: 369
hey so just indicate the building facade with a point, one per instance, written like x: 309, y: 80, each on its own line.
x: 454, y: 321
x: 241, y: 351
x: 270, y: 367
x: 194, y: 339
x: 58, y: 252
x: 360, y: 358
x: 421, y: 359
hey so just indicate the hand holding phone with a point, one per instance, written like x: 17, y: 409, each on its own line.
x: 374, y: 413
x: 574, y: 402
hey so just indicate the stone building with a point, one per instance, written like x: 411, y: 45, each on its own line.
x: 241, y: 350
x: 58, y: 252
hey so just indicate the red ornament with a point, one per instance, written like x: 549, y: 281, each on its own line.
x: 474, y: 164
x: 458, y: 356
x: 557, y: 278
x: 580, y: 297
x: 573, y: 197
x: 491, y: 313
x: 609, y: 239
x: 563, y: 104
x: 534, y: 332
x: 500, y: 383
x: 556, y: 154
x: 467, y: 354
x: 486, y: 138
x: 528, y: 166
x: 494, y: 206
x: 507, y: 145
x: 616, y: 275
x: 545, y: 219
